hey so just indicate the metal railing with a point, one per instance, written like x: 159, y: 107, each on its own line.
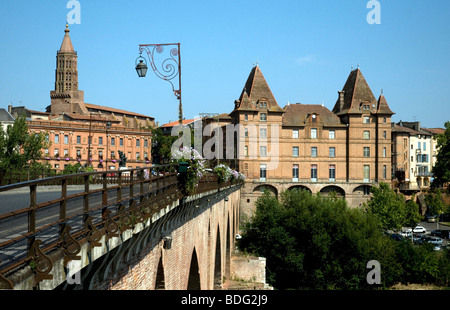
x: 84, y: 208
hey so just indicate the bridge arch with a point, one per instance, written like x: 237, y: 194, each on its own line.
x: 340, y: 192
x: 194, y: 273
x: 263, y: 187
x: 218, y: 262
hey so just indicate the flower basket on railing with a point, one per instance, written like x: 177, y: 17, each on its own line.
x: 223, y: 173
x: 191, y: 167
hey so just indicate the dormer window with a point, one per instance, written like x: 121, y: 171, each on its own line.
x: 262, y: 104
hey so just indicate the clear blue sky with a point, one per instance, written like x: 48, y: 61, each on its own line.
x: 305, y: 50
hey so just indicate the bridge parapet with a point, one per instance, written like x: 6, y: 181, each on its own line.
x: 108, y: 204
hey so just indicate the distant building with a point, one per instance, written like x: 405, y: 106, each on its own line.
x: 6, y: 119
x: 412, y: 156
x: 86, y: 133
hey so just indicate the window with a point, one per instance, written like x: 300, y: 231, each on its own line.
x: 78, y: 139
x: 424, y: 146
x: 366, y: 134
x: 138, y: 156
x: 332, y: 152
x: 332, y: 173
x: 384, y: 152
x: 366, y: 151
x: 56, y: 138
x: 313, y: 173
x: 313, y: 133
x: 120, y: 141
x: 263, y: 132
x: 78, y: 153
x: 295, y: 151
x: 100, y: 140
x: 66, y: 139
x: 295, y: 173
x: 331, y: 134
x: 56, y: 152
x: 384, y: 134
x: 263, y: 117
x: 366, y: 173
x: 100, y: 154
x: 146, y: 143
x: 262, y: 172
x: 366, y: 119
x: 263, y: 151
x: 246, y: 117
x: 246, y: 132
x: 314, y: 151
x: 138, y: 143
x: 384, y: 172
x: 295, y: 133
x: 66, y: 153
x: 418, y: 145
x: 246, y: 151
x: 113, y: 141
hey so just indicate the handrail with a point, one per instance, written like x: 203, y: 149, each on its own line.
x: 90, y: 213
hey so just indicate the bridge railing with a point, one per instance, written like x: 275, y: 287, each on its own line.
x: 67, y: 211
x: 79, y: 203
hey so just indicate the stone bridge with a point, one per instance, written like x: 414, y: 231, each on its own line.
x: 123, y: 230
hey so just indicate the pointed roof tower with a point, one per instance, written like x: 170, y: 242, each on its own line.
x: 383, y: 107
x: 256, y: 90
x: 66, y: 46
x: 355, y: 91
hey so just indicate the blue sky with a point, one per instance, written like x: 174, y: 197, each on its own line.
x: 305, y: 50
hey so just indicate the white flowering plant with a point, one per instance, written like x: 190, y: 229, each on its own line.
x: 195, y: 167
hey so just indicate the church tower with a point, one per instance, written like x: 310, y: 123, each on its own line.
x: 66, y: 98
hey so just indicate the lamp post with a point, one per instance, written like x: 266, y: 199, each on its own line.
x: 169, y: 69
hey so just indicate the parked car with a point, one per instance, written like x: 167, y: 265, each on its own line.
x: 435, y: 240
x: 437, y: 232
x: 397, y: 237
x: 423, y: 239
x: 417, y: 238
x: 432, y: 219
x: 419, y: 229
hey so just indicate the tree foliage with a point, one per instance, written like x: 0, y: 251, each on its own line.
x: 313, y: 242
x: 316, y: 242
x: 18, y: 147
x: 161, y: 146
x: 387, y: 206
x: 441, y: 169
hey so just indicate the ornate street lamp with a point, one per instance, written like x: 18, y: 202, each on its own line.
x: 170, y: 67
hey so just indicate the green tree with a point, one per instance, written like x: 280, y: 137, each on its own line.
x: 161, y: 146
x: 18, y: 147
x: 315, y: 242
x: 441, y: 169
x: 435, y: 203
x: 412, y: 214
x: 387, y: 206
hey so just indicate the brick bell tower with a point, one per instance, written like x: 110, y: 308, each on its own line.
x: 66, y: 98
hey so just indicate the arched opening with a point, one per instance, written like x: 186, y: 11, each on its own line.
x: 299, y: 187
x: 217, y: 263
x: 160, y: 283
x: 194, y: 273
x: 263, y: 188
x: 340, y: 193
x: 228, y: 249
x: 363, y: 190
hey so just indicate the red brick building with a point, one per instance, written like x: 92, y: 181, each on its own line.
x: 69, y: 122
